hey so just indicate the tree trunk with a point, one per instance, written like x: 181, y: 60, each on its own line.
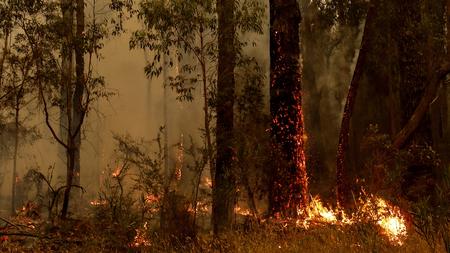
x: 430, y: 93
x: 4, y: 55
x: 165, y: 118
x: 69, y: 178
x: 313, y: 60
x: 78, y: 110
x: 289, y: 177
x: 224, y: 189
x: 206, y: 110
x: 16, y: 149
x: 341, y: 177
x: 66, y: 74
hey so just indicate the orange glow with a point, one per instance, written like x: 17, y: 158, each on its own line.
x: 370, y: 209
x: 117, y: 171
x: 242, y: 211
x: 98, y: 202
x: 140, y: 239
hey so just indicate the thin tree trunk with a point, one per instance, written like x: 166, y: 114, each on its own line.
x: 165, y: 118
x: 224, y: 189
x: 65, y: 94
x: 341, y: 188
x: 66, y: 75
x: 4, y: 54
x: 289, y: 186
x: 78, y: 109
x: 206, y: 110
x: 16, y: 150
x: 69, y: 179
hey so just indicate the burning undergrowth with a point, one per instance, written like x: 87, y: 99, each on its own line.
x: 369, y: 209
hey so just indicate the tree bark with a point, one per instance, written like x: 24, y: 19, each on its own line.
x: 223, y: 192
x: 79, y: 89
x: 66, y: 74
x: 4, y: 55
x: 341, y: 187
x: 289, y: 189
x: 18, y: 94
x: 206, y: 109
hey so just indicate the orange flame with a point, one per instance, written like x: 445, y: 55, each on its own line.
x: 372, y: 209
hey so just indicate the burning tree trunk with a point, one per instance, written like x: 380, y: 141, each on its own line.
x: 289, y: 177
x: 224, y: 188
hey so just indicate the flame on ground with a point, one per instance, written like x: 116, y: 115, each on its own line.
x: 370, y: 209
x: 98, y: 202
x: 141, y: 240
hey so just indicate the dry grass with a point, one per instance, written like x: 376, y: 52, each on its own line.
x: 85, y: 237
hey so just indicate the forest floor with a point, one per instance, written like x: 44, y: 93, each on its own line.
x: 87, y: 235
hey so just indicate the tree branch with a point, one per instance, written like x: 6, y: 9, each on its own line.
x: 420, y: 111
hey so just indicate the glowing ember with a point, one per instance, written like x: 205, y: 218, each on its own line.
x: 150, y: 199
x: 98, y: 202
x: 202, y: 207
x: 140, y: 239
x: 242, y: 211
x: 117, y: 171
x: 180, y: 159
x: 208, y: 182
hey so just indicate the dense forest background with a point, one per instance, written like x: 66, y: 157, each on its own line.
x: 168, y: 125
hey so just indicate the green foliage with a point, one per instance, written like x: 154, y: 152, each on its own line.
x: 184, y: 34
x: 252, y: 139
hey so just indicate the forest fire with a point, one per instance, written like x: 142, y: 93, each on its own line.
x: 97, y: 202
x: 369, y: 209
x: 141, y: 240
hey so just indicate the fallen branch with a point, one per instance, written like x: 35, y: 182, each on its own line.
x: 24, y: 234
x: 8, y: 222
x: 420, y: 111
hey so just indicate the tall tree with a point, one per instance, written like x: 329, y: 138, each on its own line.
x: 341, y: 171
x: 223, y: 191
x: 78, y: 110
x: 67, y: 12
x: 290, y: 181
x: 75, y: 96
x: 397, y: 69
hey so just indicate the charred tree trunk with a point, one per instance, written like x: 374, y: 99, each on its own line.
x: 289, y: 189
x: 224, y: 189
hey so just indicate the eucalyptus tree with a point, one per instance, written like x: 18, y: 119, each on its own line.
x: 186, y: 34
x: 51, y: 45
x: 289, y: 189
x: 182, y: 32
x: 18, y: 74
